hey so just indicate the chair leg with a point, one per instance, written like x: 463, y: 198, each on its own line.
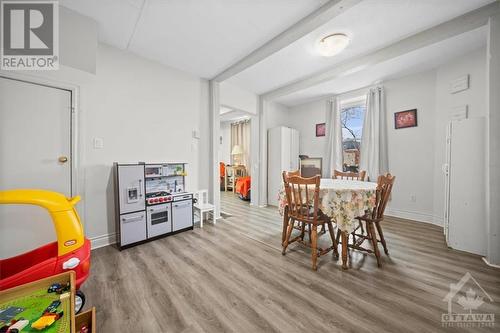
x: 314, y: 246
x: 285, y: 225
x: 302, y: 231
x: 381, y: 234
x: 323, y: 230
x: 345, y: 239
x: 288, y: 234
x: 201, y: 219
x: 332, y: 236
x: 373, y: 236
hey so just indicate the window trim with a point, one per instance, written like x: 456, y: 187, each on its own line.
x: 352, y: 102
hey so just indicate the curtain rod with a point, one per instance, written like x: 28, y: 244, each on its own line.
x: 374, y: 85
x: 240, y: 121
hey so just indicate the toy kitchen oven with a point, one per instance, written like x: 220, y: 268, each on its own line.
x: 151, y: 202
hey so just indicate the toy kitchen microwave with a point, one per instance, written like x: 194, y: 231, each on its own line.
x: 151, y: 202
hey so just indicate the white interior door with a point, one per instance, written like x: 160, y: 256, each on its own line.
x: 467, y: 220
x: 35, y: 134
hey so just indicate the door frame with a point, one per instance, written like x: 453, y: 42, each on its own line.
x: 75, y: 180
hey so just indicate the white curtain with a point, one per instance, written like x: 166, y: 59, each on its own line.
x: 334, y: 153
x: 374, y: 158
x: 240, y: 135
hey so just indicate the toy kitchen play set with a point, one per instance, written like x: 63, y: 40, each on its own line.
x: 151, y: 202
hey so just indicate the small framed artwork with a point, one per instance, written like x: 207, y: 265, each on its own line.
x: 404, y: 119
x: 311, y: 166
x: 320, y: 129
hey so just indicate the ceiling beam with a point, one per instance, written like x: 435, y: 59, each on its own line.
x: 306, y: 25
x: 454, y: 27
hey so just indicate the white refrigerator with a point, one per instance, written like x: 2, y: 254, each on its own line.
x: 465, y: 185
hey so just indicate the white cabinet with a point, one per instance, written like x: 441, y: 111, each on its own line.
x: 182, y: 214
x: 282, y: 155
x: 132, y: 228
x: 465, y: 202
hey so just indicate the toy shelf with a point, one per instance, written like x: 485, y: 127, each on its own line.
x: 33, y: 298
x: 86, y: 319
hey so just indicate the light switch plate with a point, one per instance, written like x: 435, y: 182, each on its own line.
x: 98, y: 143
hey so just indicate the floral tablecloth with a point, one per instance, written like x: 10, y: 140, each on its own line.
x: 342, y: 200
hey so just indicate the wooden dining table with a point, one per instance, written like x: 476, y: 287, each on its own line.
x: 342, y: 200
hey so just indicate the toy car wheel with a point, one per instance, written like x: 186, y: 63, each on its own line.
x: 79, y: 301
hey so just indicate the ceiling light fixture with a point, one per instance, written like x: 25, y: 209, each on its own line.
x: 333, y: 44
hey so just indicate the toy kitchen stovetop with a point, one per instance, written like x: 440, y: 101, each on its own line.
x: 151, y: 202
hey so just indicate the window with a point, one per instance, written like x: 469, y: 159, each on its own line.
x: 351, y: 119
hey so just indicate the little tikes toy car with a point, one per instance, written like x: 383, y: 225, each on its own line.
x: 71, y: 251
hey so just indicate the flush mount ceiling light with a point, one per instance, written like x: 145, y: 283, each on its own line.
x: 333, y: 44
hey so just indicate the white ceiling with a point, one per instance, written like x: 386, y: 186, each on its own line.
x: 417, y: 61
x: 371, y: 25
x: 202, y: 37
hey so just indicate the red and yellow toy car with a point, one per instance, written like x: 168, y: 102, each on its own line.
x: 71, y: 251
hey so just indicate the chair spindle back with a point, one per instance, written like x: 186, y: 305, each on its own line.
x: 384, y: 188
x: 302, y: 196
x: 349, y: 175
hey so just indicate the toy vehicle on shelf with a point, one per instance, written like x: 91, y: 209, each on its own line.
x: 58, y: 288
x: 71, y: 251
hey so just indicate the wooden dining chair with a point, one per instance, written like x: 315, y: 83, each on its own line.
x: 286, y: 218
x: 373, y: 218
x: 349, y: 175
x: 302, y: 195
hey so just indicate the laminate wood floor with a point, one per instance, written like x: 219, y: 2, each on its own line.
x: 232, y: 278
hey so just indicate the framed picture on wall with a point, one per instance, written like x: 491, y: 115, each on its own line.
x: 320, y: 129
x: 404, y: 119
x: 311, y: 166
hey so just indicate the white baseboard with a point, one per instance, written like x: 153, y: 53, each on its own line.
x: 488, y: 263
x: 438, y: 221
x: 103, y: 240
x: 415, y: 216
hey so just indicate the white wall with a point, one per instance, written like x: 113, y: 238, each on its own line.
x: 277, y: 115
x: 415, y: 154
x: 144, y: 111
x: 132, y: 95
x: 304, y: 118
x: 238, y: 98
x: 225, y: 145
x: 411, y: 150
x: 473, y: 64
x: 77, y: 40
